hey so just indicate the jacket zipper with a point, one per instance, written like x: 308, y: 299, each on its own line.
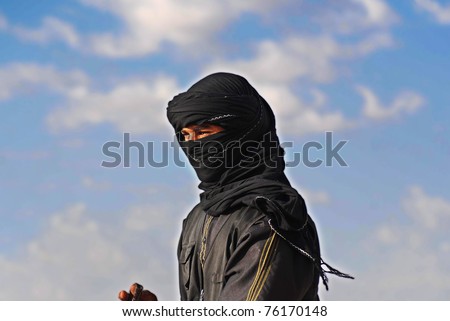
x: 202, y: 256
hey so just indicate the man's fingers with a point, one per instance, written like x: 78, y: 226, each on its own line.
x: 136, y: 290
x: 124, y: 296
x: 137, y: 293
x: 148, y: 296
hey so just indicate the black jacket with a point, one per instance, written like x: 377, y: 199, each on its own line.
x: 240, y: 256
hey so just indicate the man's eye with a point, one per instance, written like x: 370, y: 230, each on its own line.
x: 204, y: 132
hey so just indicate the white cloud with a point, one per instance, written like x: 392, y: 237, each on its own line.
x: 405, y: 257
x: 315, y: 197
x: 147, y: 25
x: 368, y: 45
x: 387, y: 235
x: 138, y: 106
x: 95, y: 185
x: 137, y: 218
x: 52, y: 29
x: 298, y: 117
x: 134, y: 106
x: 26, y: 78
x: 81, y: 255
x: 406, y: 102
x: 3, y: 22
x: 355, y: 16
x: 310, y: 57
x: 429, y: 212
x: 377, y: 12
x: 150, y: 23
x: 439, y: 11
x: 130, y: 105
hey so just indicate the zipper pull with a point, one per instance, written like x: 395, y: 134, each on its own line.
x: 202, y: 295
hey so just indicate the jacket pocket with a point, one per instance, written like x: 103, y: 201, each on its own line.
x: 186, y: 262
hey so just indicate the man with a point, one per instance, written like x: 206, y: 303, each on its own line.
x: 250, y: 237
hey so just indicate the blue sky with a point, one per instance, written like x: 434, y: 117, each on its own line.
x: 78, y: 74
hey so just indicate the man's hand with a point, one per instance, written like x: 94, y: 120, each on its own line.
x: 137, y: 293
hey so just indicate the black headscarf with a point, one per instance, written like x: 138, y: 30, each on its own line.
x: 243, y: 164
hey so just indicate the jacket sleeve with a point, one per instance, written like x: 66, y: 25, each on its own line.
x: 264, y: 266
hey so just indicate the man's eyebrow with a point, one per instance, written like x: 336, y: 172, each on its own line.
x: 202, y: 126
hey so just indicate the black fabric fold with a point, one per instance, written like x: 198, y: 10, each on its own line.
x: 271, y: 195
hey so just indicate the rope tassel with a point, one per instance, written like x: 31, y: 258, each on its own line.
x: 331, y: 270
